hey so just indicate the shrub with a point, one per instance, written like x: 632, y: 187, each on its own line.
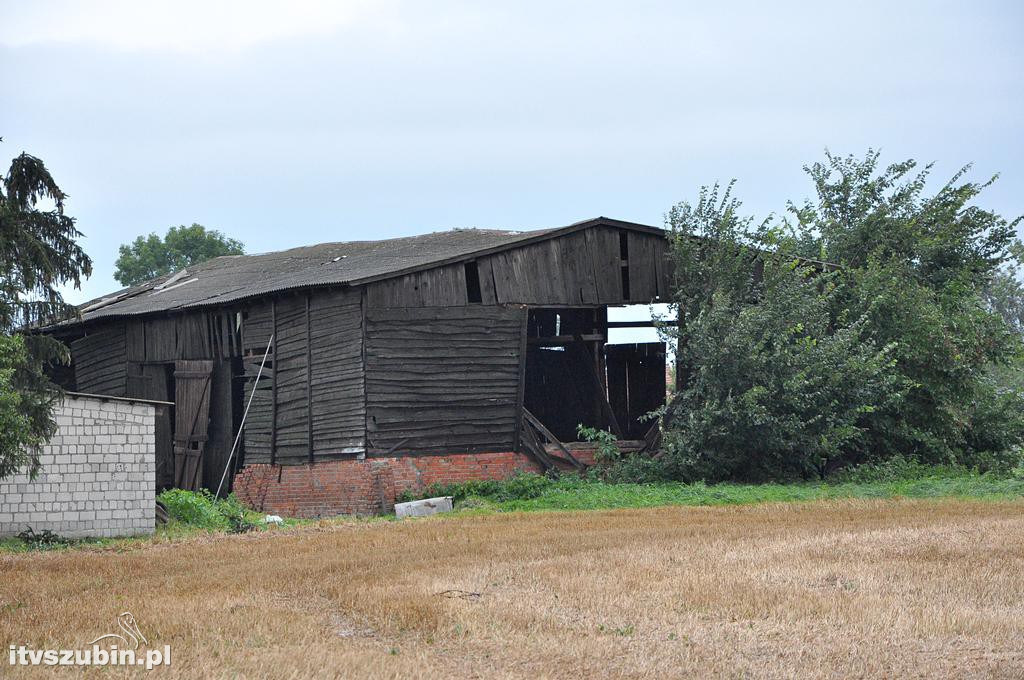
x: 793, y: 369
x: 776, y: 388
x: 607, y: 443
x: 42, y: 540
x: 896, y: 469
x: 200, y: 509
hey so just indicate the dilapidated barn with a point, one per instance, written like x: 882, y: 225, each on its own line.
x: 385, y: 364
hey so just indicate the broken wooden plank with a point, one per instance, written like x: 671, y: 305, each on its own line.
x: 532, y: 420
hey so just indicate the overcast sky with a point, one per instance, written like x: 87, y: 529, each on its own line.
x: 288, y: 123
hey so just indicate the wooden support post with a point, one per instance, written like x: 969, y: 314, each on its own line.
x: 309, y: 379
x: 521, y: 389
x: 601, y: 323
x: 605, y: 406
x: 362, y: 361
x: 273, y: 384
x: 680, y: 348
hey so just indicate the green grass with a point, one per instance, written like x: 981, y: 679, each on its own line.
x: 598, y: 495
x: 572, y: 493
x: 169, y: 532
x: 191, y: 514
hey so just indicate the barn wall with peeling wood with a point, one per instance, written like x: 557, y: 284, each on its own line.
x: 374, y: 366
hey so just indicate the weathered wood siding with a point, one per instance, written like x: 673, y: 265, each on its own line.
x: 190, y: 335
x: 256, y: 331
x: 438, y: 287
x: 582, y: 268
x: 101, y: 363
x: 338, y: 389
x: 313, y: 378
x: 443, y: 379
x: 291, y: 437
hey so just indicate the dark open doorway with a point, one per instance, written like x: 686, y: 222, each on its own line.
x: 573, y: 377
x: 155, y: 381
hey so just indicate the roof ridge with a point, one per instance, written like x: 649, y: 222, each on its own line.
x: 232, y: 278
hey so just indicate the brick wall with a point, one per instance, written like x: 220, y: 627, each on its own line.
x: 98, y: 474
x: 363, y: 487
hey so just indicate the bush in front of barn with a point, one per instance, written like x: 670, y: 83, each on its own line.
x: 200, y: 509
x: 906, y: 345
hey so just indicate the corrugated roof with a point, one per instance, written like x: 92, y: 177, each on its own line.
x: 235, y: 277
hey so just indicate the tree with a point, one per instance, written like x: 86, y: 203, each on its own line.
x: 772, y: 387
x: 38, y: 254
x: 917, y: 267
x: 1005, y: 292
x: 902, y: 350
x: 148, y: 257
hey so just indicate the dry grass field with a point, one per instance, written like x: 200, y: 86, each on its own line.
x: 825, y: 589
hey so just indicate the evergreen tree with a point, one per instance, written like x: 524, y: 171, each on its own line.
x: 39, y: 253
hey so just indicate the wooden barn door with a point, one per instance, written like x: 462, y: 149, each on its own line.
x: 192, y: 382
x: 636, y: 384
x: 151, y: 381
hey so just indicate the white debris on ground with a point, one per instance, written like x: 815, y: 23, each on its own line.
x: 422, y: 508
x: 273, y: 519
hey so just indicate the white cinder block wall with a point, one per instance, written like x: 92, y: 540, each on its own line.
x: 98, y: 476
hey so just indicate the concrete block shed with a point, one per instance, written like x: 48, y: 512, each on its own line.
x: 98, y: 473
x: 386, y: 365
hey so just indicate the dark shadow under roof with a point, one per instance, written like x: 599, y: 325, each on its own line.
x: 236, y: 277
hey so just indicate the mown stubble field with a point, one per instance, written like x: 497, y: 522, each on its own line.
x: 826, y: 589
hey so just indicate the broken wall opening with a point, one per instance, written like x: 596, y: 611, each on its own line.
x: 574, y: 377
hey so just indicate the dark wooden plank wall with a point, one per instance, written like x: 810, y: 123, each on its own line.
x: 101, y: 361
x: 440, y: 287
x: 314, y: 375
x: 151, y: 381
x: 582, y: 268
x: 636, y: 383
x: 338, y: 390
x: 256, y: 330
x: 442, y: 379
x: 192, y: 335
x: 291, y: 438
x: 221, y: 432
x: 161, y: 339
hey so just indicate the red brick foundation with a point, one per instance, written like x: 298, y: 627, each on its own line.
x: 364, y: 487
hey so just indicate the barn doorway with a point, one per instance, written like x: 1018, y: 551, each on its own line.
x: 574, y: 377
x: 155, y: 381
x: 193, y: 384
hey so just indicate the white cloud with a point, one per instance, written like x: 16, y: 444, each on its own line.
x: 177, y: 25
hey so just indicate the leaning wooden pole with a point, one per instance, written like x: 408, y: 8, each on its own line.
x: 241, y: 426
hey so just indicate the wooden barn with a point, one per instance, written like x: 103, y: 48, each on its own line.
x: 383, y: 365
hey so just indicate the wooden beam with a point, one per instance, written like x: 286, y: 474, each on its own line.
x: 521, y: 389
x: 601, y: 321
x: 532, y: 420
x: 309, y: 380
x: 273, y: 385
x: 640, y: 324
x: 599, y: 387
x: 566, y: 339
x: 533, y: 446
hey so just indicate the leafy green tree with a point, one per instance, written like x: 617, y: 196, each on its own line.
x: 772, y: 387
x: 917, y: 267
x: 1005, y: 292
x: 148, y: 257
x: 38, y: 254
x: 792, y: 368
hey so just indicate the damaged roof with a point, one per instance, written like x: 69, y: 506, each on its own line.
x: 235, y: 277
